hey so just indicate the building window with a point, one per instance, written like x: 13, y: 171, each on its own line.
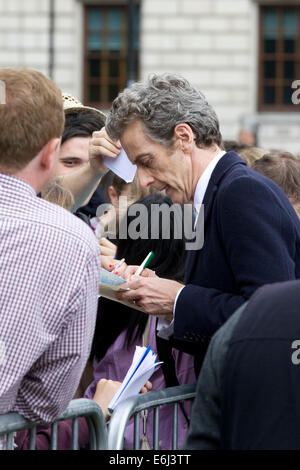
x: 106, y: 52
x: 279, y: 56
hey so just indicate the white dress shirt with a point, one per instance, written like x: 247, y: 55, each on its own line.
x: 164, y: 327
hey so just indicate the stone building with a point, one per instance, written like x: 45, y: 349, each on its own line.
x: 243, y: 54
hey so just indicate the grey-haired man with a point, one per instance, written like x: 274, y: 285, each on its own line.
x: 252, y: 233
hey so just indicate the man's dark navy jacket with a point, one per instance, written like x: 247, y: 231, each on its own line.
x: 251, y: 238
x: 260, y: 381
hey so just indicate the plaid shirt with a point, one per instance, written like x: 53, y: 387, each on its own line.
x: 49, y: 271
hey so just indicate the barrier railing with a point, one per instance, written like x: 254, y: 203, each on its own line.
x: 134, y: 406
x: 82, y: 407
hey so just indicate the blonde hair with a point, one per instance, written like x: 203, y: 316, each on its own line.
x: 58, y: 194
x: 135, y: 191
x: 251, y: 154
x: 283, y: 168
x: 30, y: 117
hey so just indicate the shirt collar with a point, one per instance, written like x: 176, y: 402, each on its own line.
x: 203, y: 182
x: 16, y: 185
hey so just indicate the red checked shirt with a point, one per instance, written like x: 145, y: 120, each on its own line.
x: 49, y: 275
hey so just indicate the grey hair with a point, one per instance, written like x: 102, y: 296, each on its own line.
x: 161, y: 103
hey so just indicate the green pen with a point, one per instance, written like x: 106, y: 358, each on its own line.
x: 145, y: 263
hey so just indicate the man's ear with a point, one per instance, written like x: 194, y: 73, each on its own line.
x: 184, y: 134
x: 113, y: 195
x: 47, y: 154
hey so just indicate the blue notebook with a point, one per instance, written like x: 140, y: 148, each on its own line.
x: 142, y: 367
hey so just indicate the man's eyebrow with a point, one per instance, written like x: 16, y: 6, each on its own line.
x: 140, y: 156
x: 70, y: 158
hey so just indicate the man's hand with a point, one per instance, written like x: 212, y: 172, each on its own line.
x: 131, y: 270
x: 156, y: 296
x: 102, y: 146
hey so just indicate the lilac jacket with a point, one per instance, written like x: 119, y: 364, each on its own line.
x: 114, y: 366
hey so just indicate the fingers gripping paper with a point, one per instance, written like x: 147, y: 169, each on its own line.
x: 110, y: 284
x: 142, y: 367
x: 121, y: 166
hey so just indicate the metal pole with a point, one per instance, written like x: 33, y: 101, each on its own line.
x: 51, y: 37
x: 131, y: 52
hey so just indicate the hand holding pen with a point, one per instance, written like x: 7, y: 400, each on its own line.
x: 152, y: 294
x: 140, y: 270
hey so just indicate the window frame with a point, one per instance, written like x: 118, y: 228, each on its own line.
x: 279, y: 57
x: 105, y: 55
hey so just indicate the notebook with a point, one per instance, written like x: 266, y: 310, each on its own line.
x: 142, y: 367
x: 109, y: 284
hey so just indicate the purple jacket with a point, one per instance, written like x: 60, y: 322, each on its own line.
x: 114, y: 366
x: 64, y: 436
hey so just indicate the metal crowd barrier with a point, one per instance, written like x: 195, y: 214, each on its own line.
x: 82, y: 407
x: 133, y: 407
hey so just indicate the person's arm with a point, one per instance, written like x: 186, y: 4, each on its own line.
x: 155, y: 295
x: 50, y: 384
x: 259, y: 244
x: 83, y: 182
x: 105, y: 391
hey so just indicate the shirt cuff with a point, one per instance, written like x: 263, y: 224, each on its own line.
x: 165, y: 329
x: 176, y: 298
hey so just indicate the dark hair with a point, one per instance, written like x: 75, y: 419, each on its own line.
x: 111, y: 179
x: 168, y: 262
x: 81, y: 124
x: 234, y: 145
x: 284, y: 169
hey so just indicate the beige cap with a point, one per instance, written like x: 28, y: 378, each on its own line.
x: 73, y: 106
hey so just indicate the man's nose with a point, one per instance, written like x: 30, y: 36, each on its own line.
x: 145, y: 180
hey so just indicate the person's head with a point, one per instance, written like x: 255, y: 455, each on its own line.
x: 168, y: 262
x: 163, y: 125
x: 80, y: 124
x: 248, y: 153
x: 58, y: 194
x: 113, y: 187
x: 284, y: 169
x: 32, y: 123
x: 234, y: 145
x: 251, y: 154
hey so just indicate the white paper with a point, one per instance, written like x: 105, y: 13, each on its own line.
x: 109, y: 284
x: 142, y: 367
x: 121, y: 166
x: 109, y: 278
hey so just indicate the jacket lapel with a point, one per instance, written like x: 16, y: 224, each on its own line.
x: 225, y: 164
